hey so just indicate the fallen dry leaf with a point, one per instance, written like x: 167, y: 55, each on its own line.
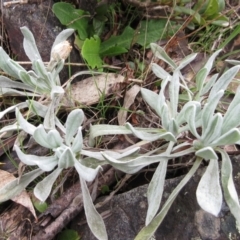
x: 22, y: 198
x: 128, y: 101
x: 90, y: 90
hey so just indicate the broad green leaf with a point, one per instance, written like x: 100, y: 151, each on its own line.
x: 39, y: 205
x: 196, y: 16
x: 209, y: 192
x: 72, y: 18
x: 15, y: 187
x: 207, y: 153
x: 114, y: 51
x: 212, y: 8
x: 123, y: 41
x: 155, y: 191
x: 50, y: 139
x: 151, y: 30
x: 74, y: 121
x: 43, y: 188
x: 68, y: 234
x: 29, y: 45
x: 229, y: 190
x: 94, y: 219
x: 91, y: 52
x: 45, y: 163
x: 150, y: 229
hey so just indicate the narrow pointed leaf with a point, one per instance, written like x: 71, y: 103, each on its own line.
x: 87, y: 173
x: 150, y: 229
x: 25, y: 125
x: 231, y: 117
x: 155, y: 191
x: 209, y: 109
x: 229, y: 190
x: 43, y: 188
x: 29, y: 45
x: 77, y: 141
x: 151, y: 137
x: 44, y: 163
x: 186, y: 61
x: 7, y: 65
x: 223, y: 81
x: 228, y: 138
x: 94, y: 219
x: 160, y: 53
x: 213, y: 130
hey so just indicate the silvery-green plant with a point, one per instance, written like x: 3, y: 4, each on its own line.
x: 210, y: 130
x: 68, y: 149
x: 42, y: 81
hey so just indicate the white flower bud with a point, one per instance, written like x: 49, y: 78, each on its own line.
x: 61, y: 51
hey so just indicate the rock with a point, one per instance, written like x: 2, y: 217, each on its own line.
x: 39, y: 18
x: 185, y: 219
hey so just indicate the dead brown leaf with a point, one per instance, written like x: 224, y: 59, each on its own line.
x: 128, y: 101
x: 90, y: 90
x: 22, y: 198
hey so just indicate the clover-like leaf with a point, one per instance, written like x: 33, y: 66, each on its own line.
x: 94, y: 219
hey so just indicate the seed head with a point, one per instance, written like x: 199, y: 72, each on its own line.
x: 61, y: 51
